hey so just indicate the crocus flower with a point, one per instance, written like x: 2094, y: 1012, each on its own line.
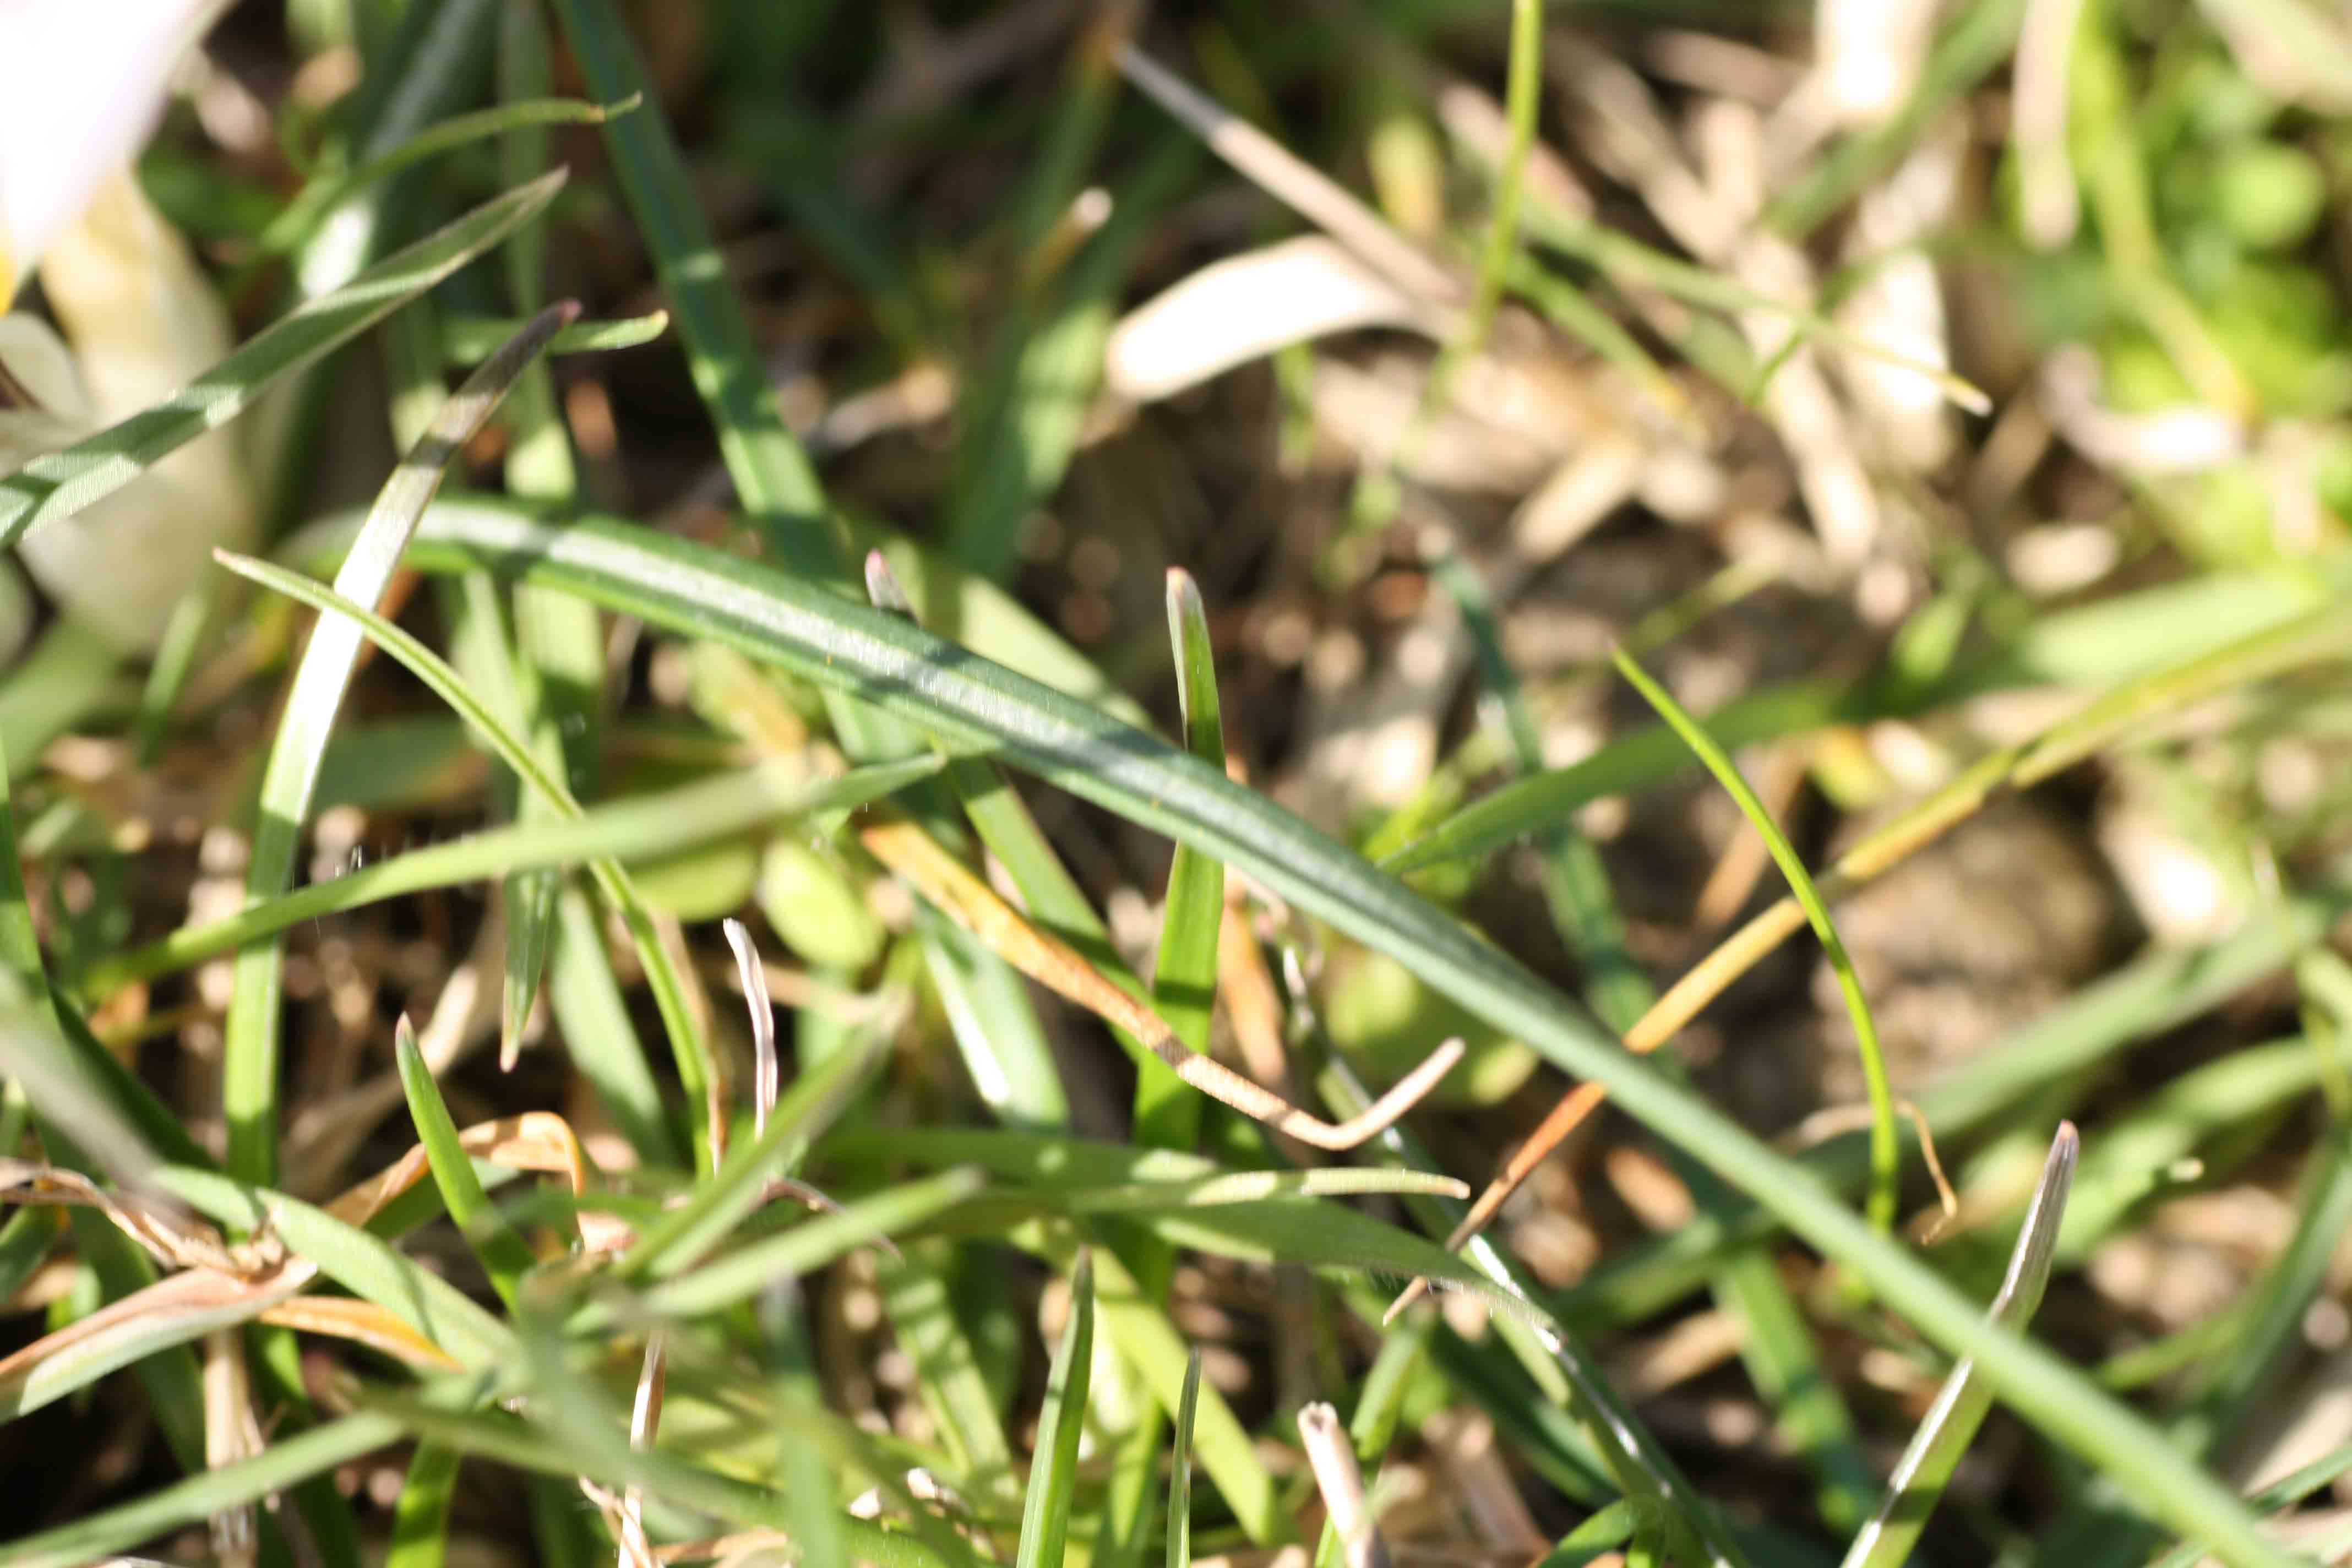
x: 82, y: 86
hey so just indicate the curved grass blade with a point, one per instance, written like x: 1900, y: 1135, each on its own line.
x: 661, y: 974
x: 647, y: 828
x: 1884, y: 1153
x: 250, y: 1047
x: 1944, y: 1434
x: 62, y: 483
x: 302, y: 217
x: 2323, y: 634
x: 1054, y: 1472
x: 982, y: 707
x: 2150, y: 647
x: 504, y: 1257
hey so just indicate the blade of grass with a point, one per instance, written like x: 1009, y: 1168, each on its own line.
x: 359, y: 1262
x: 300, y: 217
x: 996, y: 1030
x: 420, y: 1520
x: 973, y: 704
x: 642, y: 828
x: 810, y: 1245
x: 561, y: 647
x: 250, y: 1047
x: 1522, y: 92
x: 771, y: 473
x: 1951, y: 1422
x: 502, y: 1253
x: 1179, y: 1470
x: 62, y: 483
x: 1184, y: 978
x: 469, y: 340
x: 915, y: 1294
x: 1883, y: 1154
x: 1054, y: 1472
x: 685, y: 1235
x: 2319, y: 636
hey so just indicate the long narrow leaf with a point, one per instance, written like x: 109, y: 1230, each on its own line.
x: 1054, y: 1472
x: 250, y: 1049
x: 1961, y: 1406
x: 503, y: 1256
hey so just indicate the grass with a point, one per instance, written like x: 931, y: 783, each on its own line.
x: 1119, y: 1038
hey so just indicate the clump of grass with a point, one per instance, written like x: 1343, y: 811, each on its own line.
x: 921, y: 1280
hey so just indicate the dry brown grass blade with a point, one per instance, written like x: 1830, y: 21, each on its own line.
x: 196, y: 1295
x: 960, y: 894
x: 173, y: 1236
x: 363, y: 1323
x: 535, y: 1140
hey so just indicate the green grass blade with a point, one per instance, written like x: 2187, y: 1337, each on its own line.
x: 469, y: 340
x: 1883, y: 1149
x: 559, y: 645
x: 947, y: 1373
x: 688, y: 1233
x: 1951, y: 1423
x: 1778, y: 1347
x: 1522, y: 94
x: 1185, y: 979
x: 647, y: 828
x: 63, y: 483
x: 1053, y: 1471
x: 975, y: 705
x: 251, y: 1051
x: 771, y: 473
x: 810, y: 1245
x: 504, y: 1257
x: 995, y: 1026
x: 1180, y: 1468
x: 302, y: 217
x: 420, y: 1520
